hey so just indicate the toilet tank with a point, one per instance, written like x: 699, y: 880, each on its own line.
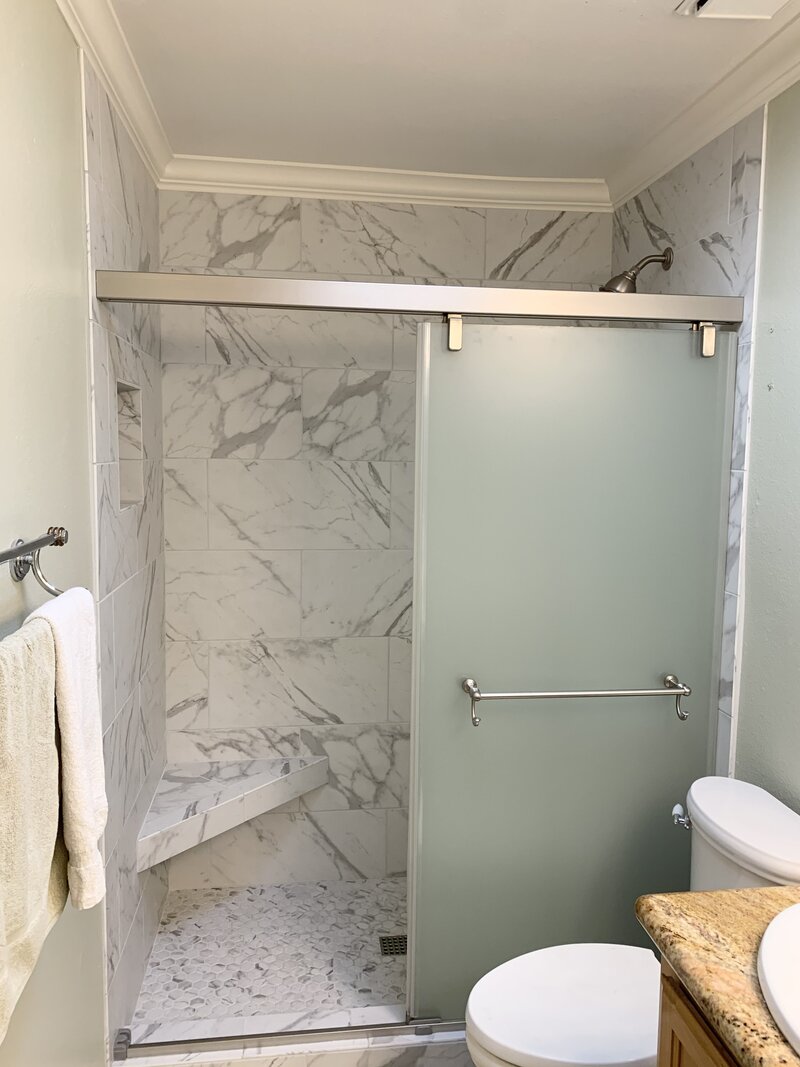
x: 742, y: 836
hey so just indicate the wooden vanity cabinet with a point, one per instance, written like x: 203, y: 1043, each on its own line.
x: 685, y: 1038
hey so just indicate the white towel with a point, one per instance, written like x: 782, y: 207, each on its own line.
x: 84, y: 807
x: 32, y: 857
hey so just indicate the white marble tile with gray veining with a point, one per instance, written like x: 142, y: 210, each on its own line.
x: 186, y: 503
x: 275, y: 849
x: 404, y: 341
x: 396, y: 842
x: 131, y: 728
x: 229, y: 595
x: 183, y: 333
x: 152, y: 698
x: 734, y: 545
x: 223, y: 412
x: 356, y: 594
x: 129, y: 423
x: 117, y: 544
x: 229, y: 231
x: 296, y: 338
x: 741, y: 411
x: 105, y: 673
x: 720, y: 263
x: 195, y: 802
x: 298, y: 504
x: 131, y: 484
x: 138, y: 627
x: 359, y: 415
x: 400, y: 679
x: 292, y: 683
x: 562, y: 246
x: 409, y: 240
x: 150, y: 513
x: 105, y: 235
x: 104, y: 437
x: 114, y: 756
x: 368, y: 763
x: 402, y: 518
x: 728, y: 668
x: 722, y: 752
x: 124, y: 988
x: 685, y: 205
x: 133, y: 884
x: 187, y: 684
x: 113, y: 933
x: 748, y: 137
x: 138, y: 387
x: 127, y: 183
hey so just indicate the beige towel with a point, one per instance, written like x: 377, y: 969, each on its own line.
x: 32, y: 857
x: 84, y: 807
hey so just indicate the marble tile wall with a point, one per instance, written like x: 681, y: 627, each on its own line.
x: 289, y: 499
x: 122, y: 213
x: 709, y: 209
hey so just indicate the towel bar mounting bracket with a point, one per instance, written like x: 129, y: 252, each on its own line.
x: 27, y: 560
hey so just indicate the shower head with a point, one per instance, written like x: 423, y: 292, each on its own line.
x: 626, y: 282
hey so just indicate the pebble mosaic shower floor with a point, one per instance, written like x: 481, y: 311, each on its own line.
x: 223, y: 953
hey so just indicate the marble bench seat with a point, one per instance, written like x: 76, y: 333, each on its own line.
x: 194, y: 802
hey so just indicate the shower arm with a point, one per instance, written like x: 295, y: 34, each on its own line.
x: 665, y: 259
x: 626, y: 281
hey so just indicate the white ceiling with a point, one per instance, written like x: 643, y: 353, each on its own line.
x: 546, y: 88
x: 551, y: 89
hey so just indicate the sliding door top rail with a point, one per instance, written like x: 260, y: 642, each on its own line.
x: 490, y: 301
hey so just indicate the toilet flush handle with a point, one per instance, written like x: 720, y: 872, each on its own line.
x: 680, y: 818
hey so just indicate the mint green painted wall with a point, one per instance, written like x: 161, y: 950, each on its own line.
x: 768, y: 743
x: 44, y: 443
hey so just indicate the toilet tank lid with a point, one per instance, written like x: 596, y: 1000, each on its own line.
x: 748, y: 824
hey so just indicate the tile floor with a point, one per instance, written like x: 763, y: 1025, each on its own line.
x: 269, y: 950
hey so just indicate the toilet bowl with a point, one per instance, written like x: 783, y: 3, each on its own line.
x: 597, y: 1005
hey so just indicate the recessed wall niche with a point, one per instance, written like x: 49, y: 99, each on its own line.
x: 131, y: 452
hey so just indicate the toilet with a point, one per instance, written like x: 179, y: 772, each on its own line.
x: 597, y: 1005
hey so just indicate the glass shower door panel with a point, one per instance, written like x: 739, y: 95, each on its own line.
x: 572, y: 500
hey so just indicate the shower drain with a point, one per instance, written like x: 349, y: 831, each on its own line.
x: 394, y: 945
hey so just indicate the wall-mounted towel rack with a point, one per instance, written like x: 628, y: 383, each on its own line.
x: 672, y: 687
x: 23, y: 556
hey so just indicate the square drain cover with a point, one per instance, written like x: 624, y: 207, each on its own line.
x: 394, y: 945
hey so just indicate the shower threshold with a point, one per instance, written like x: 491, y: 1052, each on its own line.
x: 262, y: 960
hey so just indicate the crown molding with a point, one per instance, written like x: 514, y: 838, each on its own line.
x: 96, y: 28
x: 322, y: 181
x: 759, y: 78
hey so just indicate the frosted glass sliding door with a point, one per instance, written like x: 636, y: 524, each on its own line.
x: 571, y: 500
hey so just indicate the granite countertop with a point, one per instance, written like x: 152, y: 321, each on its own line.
x: 711, y: 941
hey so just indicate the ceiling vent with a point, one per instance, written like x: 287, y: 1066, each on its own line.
x: 731, y: 9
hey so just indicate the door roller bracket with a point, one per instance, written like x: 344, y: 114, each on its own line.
x: 455, y: 332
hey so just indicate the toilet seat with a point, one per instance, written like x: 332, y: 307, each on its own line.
x: 567, y: 1006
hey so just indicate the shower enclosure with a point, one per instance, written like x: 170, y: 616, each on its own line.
x: 570, y: 517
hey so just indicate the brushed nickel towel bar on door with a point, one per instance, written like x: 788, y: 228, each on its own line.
x: 23, y: 556
x: 672, y: 688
